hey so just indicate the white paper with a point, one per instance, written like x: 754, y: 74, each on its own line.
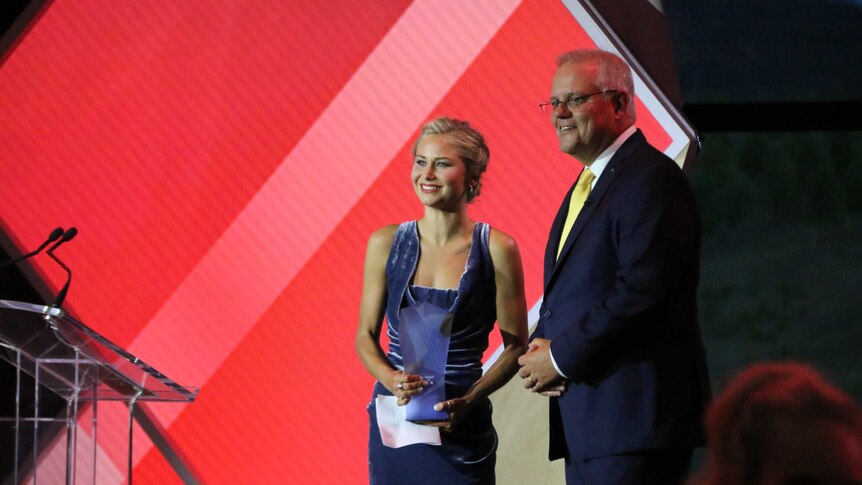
x: 396, y: 431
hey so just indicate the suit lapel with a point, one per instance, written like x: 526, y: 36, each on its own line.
x: 608, y: 177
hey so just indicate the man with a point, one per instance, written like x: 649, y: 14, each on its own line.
x: 617, y: 346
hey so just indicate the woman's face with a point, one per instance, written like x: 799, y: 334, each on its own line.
x: 439, y: 175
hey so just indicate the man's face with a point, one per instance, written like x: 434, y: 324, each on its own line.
x: 586, y: 130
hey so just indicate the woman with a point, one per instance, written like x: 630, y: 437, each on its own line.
x: 464, y: 267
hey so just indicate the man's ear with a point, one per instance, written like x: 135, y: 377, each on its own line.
x: 621, y: 101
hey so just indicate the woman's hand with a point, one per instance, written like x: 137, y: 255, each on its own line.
x: 403, y: 385
x: 457, y: 408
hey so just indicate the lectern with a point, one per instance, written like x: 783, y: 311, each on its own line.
x: 81, y: 366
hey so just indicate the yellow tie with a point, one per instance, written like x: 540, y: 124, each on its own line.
x: 579, y: 196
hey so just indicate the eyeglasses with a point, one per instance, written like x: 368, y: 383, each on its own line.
x: 572, y: 102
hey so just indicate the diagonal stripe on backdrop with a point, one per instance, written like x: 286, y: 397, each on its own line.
x: 318, y: 182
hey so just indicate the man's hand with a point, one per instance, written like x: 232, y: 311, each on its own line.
x: 555, y: 391
x: 537, y: 370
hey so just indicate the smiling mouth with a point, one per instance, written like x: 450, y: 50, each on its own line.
x: 565, y: 128
x: 429, y: 188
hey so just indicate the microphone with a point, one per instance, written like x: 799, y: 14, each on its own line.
x: 588, y: 201
x: 55, y: 234
x: 67, y: 236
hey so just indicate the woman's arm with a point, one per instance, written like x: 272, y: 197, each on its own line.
x: 512, y: 318
x: 372, y: 307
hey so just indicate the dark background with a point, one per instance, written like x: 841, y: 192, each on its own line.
x: 780, y: 200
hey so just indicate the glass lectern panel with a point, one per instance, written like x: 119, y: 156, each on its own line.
x: 67, y: 357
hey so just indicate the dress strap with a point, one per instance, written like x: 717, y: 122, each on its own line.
x: 478, y: 264
x: 402, y: 262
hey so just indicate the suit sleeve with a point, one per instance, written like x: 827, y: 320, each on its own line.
x: 655, y: 236
x: 539, y: 331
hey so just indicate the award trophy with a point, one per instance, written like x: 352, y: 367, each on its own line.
x: 424, y: 331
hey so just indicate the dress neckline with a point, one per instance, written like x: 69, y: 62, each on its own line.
x: 473, y: 245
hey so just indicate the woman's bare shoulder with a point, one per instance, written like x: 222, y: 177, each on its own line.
x: 501, y: 243
x: 381, y: 239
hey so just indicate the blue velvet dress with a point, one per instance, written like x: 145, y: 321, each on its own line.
x: 468, y: 454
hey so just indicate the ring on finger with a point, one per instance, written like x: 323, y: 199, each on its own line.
x: 400, y: 386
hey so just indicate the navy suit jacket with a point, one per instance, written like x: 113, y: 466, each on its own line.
x: 620, y: 309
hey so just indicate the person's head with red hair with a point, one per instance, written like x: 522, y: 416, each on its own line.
x: 782, y: 423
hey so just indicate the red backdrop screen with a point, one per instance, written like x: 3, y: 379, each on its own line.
x: 225, y: 162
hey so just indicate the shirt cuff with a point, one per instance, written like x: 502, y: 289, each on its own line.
x: 556, y: 367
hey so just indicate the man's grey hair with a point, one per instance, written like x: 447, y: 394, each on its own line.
x: 614, y: 73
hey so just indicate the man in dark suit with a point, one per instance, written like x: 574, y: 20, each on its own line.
x: 618, y: 347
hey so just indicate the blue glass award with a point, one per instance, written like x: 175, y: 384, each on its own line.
x: 424, y: 332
